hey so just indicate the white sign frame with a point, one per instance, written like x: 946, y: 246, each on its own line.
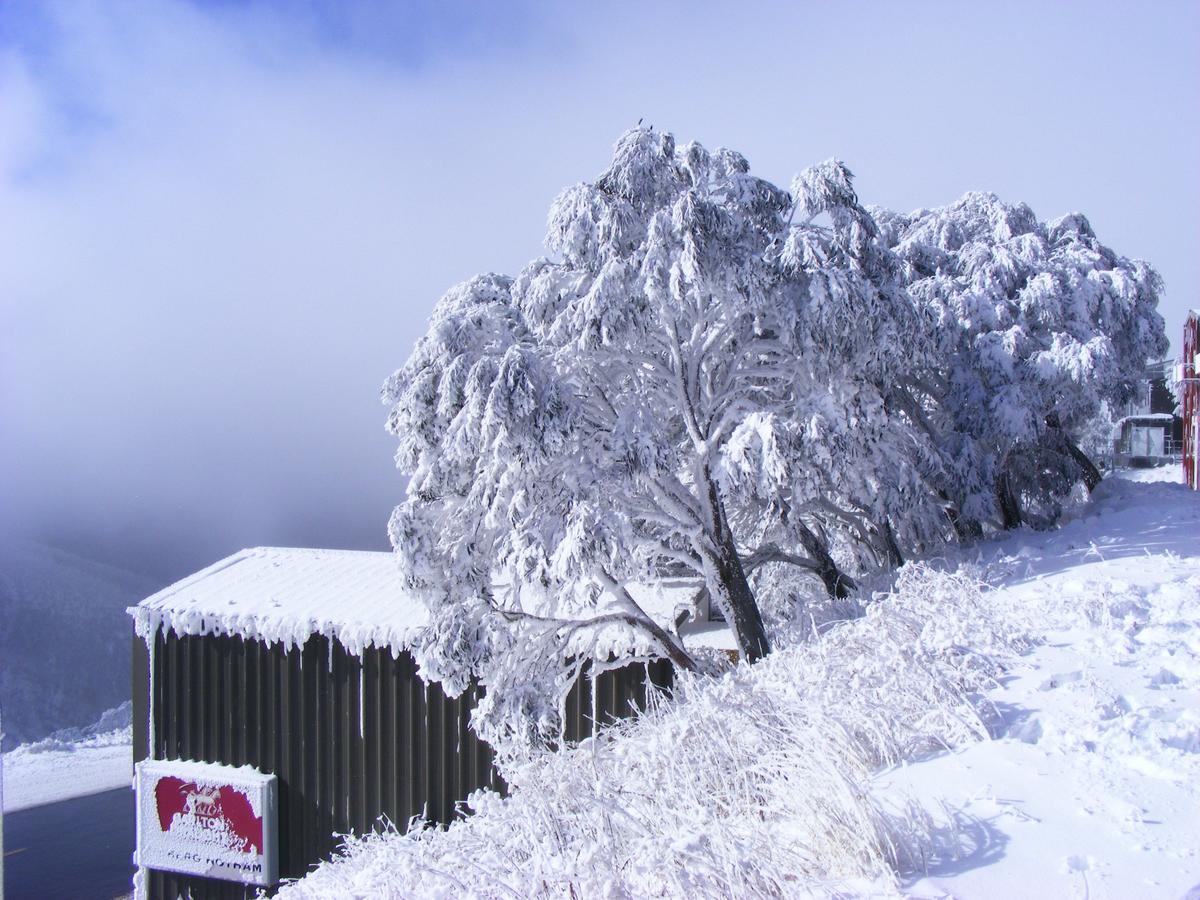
x: 207, y: 819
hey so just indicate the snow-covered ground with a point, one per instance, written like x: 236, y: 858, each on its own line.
x: 73, y: 762
x: 1092, y: 789
x: 799, y: 775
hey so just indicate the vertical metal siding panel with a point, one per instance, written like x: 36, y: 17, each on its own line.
x: 423, y: 787
x: 449, y: 739
x: 251, y: 727
x: 182, y: 700
x: 292, y: 750
x: 233, y: 718
x: 276, y: 665
x: 331, y: 729
x: 310, y: 727
x: 339, y: 769
x: 215, y: 671
x: 466, y: 746
x: 202, y: 732
x: 462, y: 757
x: 573, y: 706
x: 159, y: 706
x: 271, y: 737
x: 348, y: 689
x: 183, y: 685
x: 389, y: 745
x: 163, y: 710
x: 401, y: 758
x: 264, y: 709
x: 193, y: 749
x: 263, y: 725
x: 431, y: 744
x: 479, y: 775
x: 405, y: 753
x: 361, y: 767
x: 373, y: 794
x: 469, y: 744
x: 416, y: 779
x: 605, y: 698
x: 140, y: 677
x: 178, y: 690
x: 587, y: 689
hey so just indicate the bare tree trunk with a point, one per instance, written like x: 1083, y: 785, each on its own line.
x: 743, y: 608
x: 1010, y: 505
x: 891, y: 546
x: 838, y: 584
x: 1091, y: 475
x: 732, y: 583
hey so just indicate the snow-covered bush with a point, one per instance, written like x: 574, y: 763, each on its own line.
x: 753, y: 784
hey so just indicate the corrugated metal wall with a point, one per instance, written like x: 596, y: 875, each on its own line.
x: 618, y: 693
x: 351, y: 739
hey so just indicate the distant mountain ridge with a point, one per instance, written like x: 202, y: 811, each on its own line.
x: 64, y: 638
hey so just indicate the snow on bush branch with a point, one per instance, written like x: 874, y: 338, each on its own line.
x: 713, y: 376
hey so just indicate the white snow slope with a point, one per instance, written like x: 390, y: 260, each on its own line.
x: 64, y: 638
x: 1041, y: 739
x: 73, y: 762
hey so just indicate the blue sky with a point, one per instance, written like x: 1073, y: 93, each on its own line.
x: 225, y: 223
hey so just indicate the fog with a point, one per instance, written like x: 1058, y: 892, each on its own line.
x: 223, y: 225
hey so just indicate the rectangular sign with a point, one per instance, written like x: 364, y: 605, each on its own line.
x: 207, y: 819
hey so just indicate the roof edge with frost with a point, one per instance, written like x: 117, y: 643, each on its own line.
x: 283, y: 595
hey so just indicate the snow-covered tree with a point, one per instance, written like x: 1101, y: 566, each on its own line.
x: 691, y: 387
x: 1036, y: 326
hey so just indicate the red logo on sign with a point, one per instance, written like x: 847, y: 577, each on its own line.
x: 219, y: 812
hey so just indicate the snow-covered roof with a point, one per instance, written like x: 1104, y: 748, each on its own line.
x: 1143, y: 418
x: 285, y: 595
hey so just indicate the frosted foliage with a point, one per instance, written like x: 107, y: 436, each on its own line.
x: 691, y: 388
x: 1031, y: 320
x: 1096, y: 436
x: 795, y: 608
x: 713, y: 375
x: 754, y: 784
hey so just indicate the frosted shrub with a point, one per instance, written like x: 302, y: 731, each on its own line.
x: 756, y: 783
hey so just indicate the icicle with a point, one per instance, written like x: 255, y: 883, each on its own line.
x: 647, y: 686
x: 362, y: 695
x: 562, y: 715
x: 595, y: 685
x: 151, y: 737
x: 141, y: 890
x: 329, y: 659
